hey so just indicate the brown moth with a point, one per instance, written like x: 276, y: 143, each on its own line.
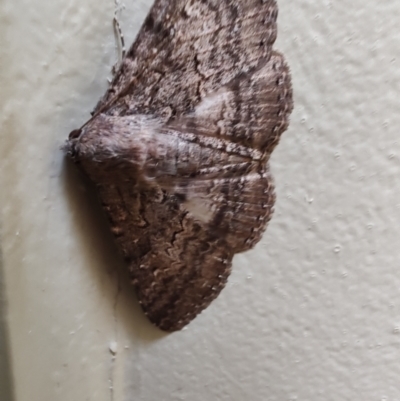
x: 179, y: 145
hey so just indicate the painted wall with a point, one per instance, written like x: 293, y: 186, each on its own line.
x: 313, y: 313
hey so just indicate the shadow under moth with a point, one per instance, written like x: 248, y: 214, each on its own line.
x: 178, y: 148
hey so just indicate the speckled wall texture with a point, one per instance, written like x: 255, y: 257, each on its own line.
x: 312, y: 313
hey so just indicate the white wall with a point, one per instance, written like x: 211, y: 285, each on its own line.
x: 313, y: 313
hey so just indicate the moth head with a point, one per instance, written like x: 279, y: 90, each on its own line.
x: 75, y: 134
x: 69, y: 146
x: 94, y: 139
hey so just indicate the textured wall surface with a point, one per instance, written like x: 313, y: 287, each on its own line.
x: 313, y: 313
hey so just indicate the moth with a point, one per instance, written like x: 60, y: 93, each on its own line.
x: 178, y: 148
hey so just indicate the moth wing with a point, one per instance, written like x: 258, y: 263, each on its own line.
x: 180, y: 259
x: 177, y: 265
x: 236, y: 209
x: 186, y: 49
x: 252, y: 110
x: 184, y: 273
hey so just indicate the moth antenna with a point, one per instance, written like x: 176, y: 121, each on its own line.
x: 119, y: 36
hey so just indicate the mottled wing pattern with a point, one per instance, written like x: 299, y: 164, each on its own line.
x: 236, y: 208
x: 232, y: 134
x: 188, y: 48
x: 206, y: 72
x: 252, y: 110
x: 177, y: 266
